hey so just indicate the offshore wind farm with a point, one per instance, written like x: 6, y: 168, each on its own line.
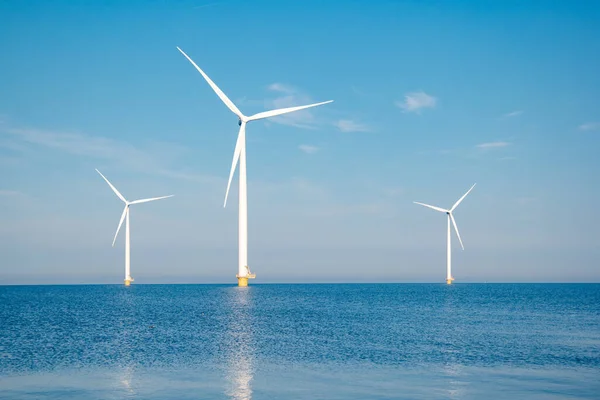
x: 347, y: 299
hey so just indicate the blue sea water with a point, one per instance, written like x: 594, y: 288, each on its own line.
x: 319, y: 341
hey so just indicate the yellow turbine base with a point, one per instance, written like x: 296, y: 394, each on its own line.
x: 127, y: 282
x: 449, y: 281
x: 243, y: 280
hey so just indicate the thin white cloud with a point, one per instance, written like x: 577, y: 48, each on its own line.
x: 357, y: 91
x: 415, y: 101
x: 492, y: 145
x: 281, y: 87
x: 6, y: 193
x: 308, y: 149
x: 350, y: 209
x: 513, y: 114
x: 208, y: 5
x: 153, y: 157
x: 295, y: 187
x: 525, y: 200
x: 590, y: 126
x: 435, y: 152
x: 348, y: 125
x: 290, y: 96
x: 394, y: 191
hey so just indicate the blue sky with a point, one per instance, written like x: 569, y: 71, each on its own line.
x: 430, y: 97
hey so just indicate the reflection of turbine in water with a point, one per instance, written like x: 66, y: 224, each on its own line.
x: 125, y: 377
x: 455, y: 383
x: 239, y: 344
x: 240, y: 376
x: 453, y: 375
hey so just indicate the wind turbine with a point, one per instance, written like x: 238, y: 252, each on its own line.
x: 449, y: 277
x: 128, y: 278
x: 239, y: 154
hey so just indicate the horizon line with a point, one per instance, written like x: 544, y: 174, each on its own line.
x: 233, y: 284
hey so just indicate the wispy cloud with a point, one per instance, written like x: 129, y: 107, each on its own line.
x: 513, y: 114
x: 245, y: 101
x: 350, y: 209
x: 525, y: 200
x: 394, y: 191
x: 492, y: 145
x: 281, y: 87
x: 357, y: 91
x: 154, y: 157
x: 435, y: 152
x: 208, y: 4
x: 290, y: 96
x: 415, y: 101
x: 308, y: 149
x: 295, y: 187
x: 6, y: 193
x: 348, y: 125
x: 590, y: 126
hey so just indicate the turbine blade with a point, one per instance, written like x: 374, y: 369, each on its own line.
x: 236, y: 157
x: 151, y: 199
x: 120, y: 223
x: 273, y: 113
x: 432, y: 207
x: 218, y: 91
x: 456, y: 229
x: 462, y: 198
x: 112, y: 187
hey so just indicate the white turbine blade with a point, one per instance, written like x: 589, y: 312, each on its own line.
x: 112, y: 187
x: 236, y: 157
x: 152, y: 199
x: 462, y: 198
x: 273, y: 113
x: 456, y: 229
x: 432, y: 207
x: 218, y: 91
x: 120, y: 223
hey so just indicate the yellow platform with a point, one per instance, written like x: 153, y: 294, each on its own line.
x: 128, y: 282
x: 243, y: 280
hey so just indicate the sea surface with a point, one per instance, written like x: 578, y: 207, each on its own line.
x: 314, y: 341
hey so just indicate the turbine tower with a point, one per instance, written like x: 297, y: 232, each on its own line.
x: 239, y: 154
x: 449, y: 277
x: 128, y: 278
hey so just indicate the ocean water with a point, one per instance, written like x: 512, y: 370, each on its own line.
x: 321, y: 341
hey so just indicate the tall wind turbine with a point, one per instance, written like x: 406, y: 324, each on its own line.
x: 128, y: 278
x: 239, y: 154
x: 449, y: 277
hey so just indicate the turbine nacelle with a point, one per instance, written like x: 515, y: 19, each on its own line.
x: 127, y: 203
x: 242, y: 119
x: 449, y: 213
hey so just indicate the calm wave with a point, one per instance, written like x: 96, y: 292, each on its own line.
x: 358, y: 341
